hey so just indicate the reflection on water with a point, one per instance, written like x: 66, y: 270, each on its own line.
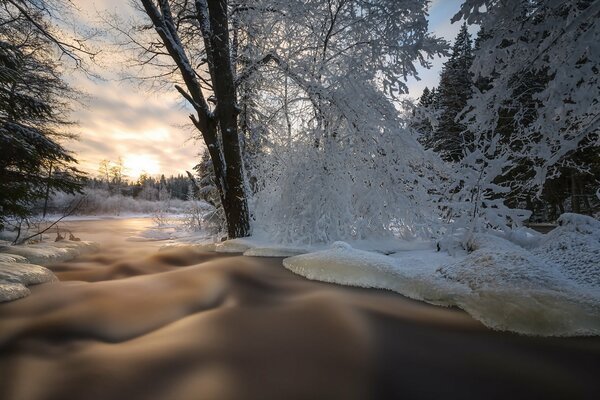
x: 111, y: 231
x: 130, y: 322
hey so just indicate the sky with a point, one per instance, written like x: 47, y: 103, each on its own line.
x: 124, y: 119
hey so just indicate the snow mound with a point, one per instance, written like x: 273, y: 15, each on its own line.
x: 15, y: 277
x: 550, y: 288
x: 50, y: 252
x: 574, y: 246
x: 514, y: 289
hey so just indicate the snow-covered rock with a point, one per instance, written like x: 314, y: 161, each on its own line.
x: 11, y: 258
x: 511, y: 288
x: 574, y: 246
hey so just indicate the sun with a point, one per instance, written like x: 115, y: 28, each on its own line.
x: 136, y: 164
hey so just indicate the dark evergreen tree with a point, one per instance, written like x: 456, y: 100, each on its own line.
x: 33, y: 106
x: 424, y: 116
x: 455, y: 89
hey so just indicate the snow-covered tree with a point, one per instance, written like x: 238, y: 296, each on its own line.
x: 543, y: 58
x: 345, y: 167
x: 534, y: 107
x: 313, y: 81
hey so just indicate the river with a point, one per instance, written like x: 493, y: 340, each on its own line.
x: 133, y: 322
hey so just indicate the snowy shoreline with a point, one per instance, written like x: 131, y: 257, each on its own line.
x: 528, y: 283
x: 22, y: 265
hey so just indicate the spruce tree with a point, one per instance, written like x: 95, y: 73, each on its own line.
x: 424, y: 115
x: 33, y: 105
x: 450, y: 136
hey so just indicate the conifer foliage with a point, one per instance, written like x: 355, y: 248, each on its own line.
x: 33, y: 106
x: 517, y: 114
x: 451, y: 137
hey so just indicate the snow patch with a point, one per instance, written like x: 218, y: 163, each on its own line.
x: 205, y: 247
x: 235, y: 245
x: 274, y: 251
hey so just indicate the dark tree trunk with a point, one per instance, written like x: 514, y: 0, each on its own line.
x: 235, y: 204
x: 226, y: 153
x: 47, y: 194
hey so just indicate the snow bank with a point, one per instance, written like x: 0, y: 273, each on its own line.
x: 16, y: 275
x: 550, y: 288
x: 511, y: 288
x: 50, y: 252
x: 18, y: 267
x: 411, y: 274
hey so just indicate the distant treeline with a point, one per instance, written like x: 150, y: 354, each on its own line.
x: 145, y: 187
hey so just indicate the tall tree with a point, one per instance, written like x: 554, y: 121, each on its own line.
x: 456, y: 86
x: 218, y: 125
x: 34, y: 102
x: 424, y: 117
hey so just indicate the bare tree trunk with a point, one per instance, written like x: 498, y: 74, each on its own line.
x: 47, y: 194
x: 226, y: 153
x: 235, y: 204
x: 574, y: 194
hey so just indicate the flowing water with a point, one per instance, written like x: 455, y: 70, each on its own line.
x: 133, y: 322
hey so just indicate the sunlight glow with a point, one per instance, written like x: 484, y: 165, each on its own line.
x: 136, y: 164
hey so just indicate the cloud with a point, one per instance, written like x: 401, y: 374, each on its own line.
x: 119, y: 117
